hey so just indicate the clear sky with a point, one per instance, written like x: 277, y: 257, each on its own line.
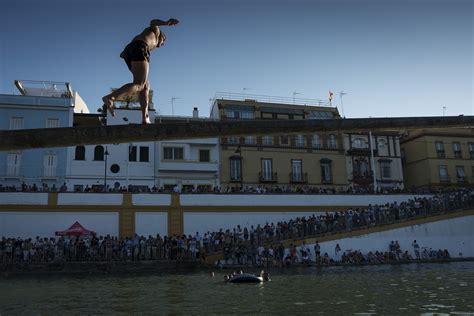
x: 393, y: 58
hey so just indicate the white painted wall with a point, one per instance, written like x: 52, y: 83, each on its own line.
x: 211, y: 221
x: 147, y: 223
x: 151, y: 199
x: 25, y: 198
x: 45, y: 224
x: 291, y: 199
x: 89, y: 199
x: 456, y: 235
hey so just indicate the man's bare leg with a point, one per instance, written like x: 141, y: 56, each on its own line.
x: 143, y: 98
x: 140, y: 78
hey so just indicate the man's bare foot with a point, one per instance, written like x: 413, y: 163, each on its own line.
x: 109, y: 105
x: 146, y: 121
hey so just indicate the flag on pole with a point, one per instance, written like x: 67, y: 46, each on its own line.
x: 330, y: 96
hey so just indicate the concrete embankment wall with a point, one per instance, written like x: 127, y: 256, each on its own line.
x: 454, y: 234
x: 25, y: 214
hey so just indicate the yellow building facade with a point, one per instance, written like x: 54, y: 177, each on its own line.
x: 438, y: 158
x: 282, y: 160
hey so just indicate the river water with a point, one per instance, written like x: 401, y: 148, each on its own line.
x: 413, y: 289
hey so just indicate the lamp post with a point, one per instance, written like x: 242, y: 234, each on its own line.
x: 239, y: 151
x: 106, y: 154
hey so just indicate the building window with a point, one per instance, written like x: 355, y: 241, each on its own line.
x: 244, y: 115
x: 443, y: 173
x: 267, y: 170
x: 50, y: 162
x: 204, y: 155
x: 457, y: 151
x: 144, y: 154
x: 99, y: 153
x: 233, y: 140
x: 80, y: 153
x: 460, y: 174
x: 267, y: 140
x: 326, y: 170
x: 359, y: 143
x: 132, y: 153
x: 382, y: 147
x: 284, y: 140
x: 296, y: 170
x: 13, y: 165
x: 250, y: 140
x: 16, y: 122
x: 332, y: 141
x: 173, y: 153
x: 52, y: 123
x: 385, y: 169
x: 471, y: 150
x: 235, y: 170
x: 440, y: 153
x: 299, y: 140
x: 361, y: 168
x: 316, y: 141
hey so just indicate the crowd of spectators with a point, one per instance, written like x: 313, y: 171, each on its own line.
x: 247, y: 189
x: 256, y: 245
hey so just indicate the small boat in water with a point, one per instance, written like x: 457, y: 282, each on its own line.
x: 248, y: 278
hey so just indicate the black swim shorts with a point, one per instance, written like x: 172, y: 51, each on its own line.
x: 135, y: 51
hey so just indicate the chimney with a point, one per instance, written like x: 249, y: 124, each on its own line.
x: 195, y: 113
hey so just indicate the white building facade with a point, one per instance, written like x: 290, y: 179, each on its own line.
x: 374, y: 159
x: 39, y: 104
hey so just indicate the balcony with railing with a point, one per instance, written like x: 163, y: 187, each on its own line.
x: 40, y: 93
x: 444, y: 179
x: 269, y: 99
x: 362, y: 178
x: 298, y: 177
x: 267, y: 177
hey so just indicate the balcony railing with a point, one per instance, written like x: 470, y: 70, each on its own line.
x: 270, y: 99
x: 298, y: 177
x: 268, y: 177
x: 444, y: 179
x: 441, y: 154
x: 462, y: 180
x: 362, y: 177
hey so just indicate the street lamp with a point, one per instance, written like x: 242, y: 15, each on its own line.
x: 239, y: 151
x: 106, y: 154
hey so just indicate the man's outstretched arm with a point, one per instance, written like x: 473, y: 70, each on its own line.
x: 157, y: 22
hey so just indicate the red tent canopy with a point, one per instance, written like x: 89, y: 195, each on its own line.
x: 75, y: 230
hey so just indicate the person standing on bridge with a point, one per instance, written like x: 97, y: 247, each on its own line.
x: 137, y: 57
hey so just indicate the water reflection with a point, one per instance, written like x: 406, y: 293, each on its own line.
x: 420, y: 289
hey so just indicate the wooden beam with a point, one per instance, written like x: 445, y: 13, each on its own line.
x: 74, y: 136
